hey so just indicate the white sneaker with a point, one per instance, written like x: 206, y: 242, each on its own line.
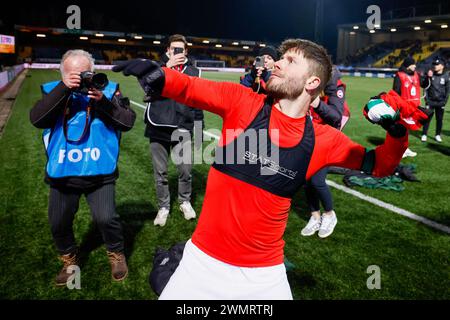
x: 438, y: 138
x: 424, y: 138
x: 187, y: 210
x: 161, y: 217
x: 312, y: 226
x: 329, y: 221
x: 409, y: 153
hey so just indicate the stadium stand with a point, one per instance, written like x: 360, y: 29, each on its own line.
x: 402, y: 33
x: 107, y: 50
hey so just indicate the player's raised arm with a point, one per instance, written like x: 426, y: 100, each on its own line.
x: 390, y: 112
x: 217, y: 97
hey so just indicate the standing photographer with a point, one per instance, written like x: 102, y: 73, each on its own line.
x: 261, y: 71
x: 166, y: 118
x: 83, y: 116
x: 436, y: 97
x: 407, y: 83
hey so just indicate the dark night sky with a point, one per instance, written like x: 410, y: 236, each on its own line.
x: 264, y: 20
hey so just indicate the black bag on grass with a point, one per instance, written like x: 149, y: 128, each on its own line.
x: 165, y: 263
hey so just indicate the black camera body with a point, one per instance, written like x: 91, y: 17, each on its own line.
x: 91, y: 80
x: 259, y: 62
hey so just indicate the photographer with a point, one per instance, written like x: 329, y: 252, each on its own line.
x: 261, y: 71
x: 83, y: 116
x: 164, y: 119
x: 436, y: 96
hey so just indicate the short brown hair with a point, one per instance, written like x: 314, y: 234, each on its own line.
x: 320, y: 63
x: 177, y: 38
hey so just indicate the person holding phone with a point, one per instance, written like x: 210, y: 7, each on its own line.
x: 261, y: 70
x: 166, y: 120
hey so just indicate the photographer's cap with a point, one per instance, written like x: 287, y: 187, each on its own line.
x: 438, y: 61
x: 270, y: 51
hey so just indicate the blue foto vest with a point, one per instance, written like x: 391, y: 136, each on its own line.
x: 257, y: 164
x: 95, y: 154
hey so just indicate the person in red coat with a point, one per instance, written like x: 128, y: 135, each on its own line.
x: 407, y: 83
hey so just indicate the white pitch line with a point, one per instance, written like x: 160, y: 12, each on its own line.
x: 212, y: 135
x: 362, y: 196
x: 138, y: 104
x: 390, y: 207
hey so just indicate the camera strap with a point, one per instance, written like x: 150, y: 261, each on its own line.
x: 65, y: 120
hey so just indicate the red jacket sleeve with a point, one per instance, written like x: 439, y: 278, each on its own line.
x: 332, y: 147
x: 389, y: 154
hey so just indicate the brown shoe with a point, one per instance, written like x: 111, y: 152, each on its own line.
x: 67, y: 260
x: 119, y: 268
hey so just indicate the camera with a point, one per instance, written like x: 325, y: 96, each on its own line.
x: 177, y: 51
x: 259, y: 62
x: 91, y: 80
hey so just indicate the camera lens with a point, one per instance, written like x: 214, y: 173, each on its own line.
x: 99, y: 81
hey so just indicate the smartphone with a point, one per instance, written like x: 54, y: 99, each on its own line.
x: 259, y: 62
x: 177, y: 51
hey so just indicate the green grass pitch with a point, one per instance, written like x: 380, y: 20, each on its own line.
x: 413, y: 258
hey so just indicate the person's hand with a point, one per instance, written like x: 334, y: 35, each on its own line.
x: 430, y: 73
x: 72, y: 80
x: 136, y: 67
x: 150, y: 75
x: 316, y: 102
x: 379, y: 112
x: 95, y: 94
x: 176, y: 60
x: 259, y: 71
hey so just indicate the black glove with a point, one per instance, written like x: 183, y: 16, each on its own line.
x: 395, y: 129
x: 150, y: 75
x: 135, y: 67
x: 428, y: 112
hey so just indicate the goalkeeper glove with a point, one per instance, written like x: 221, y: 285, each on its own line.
x: 379, y: 112
x: 150, y: 75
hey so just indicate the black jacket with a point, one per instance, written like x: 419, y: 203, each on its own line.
x: 163, y: 115
x: 331, y: 112
x: 116, y: 113
x: 438, y: 92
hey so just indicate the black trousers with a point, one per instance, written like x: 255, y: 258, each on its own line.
x: 63, y: 204
x: 318, y: 191
x: 439, y: 110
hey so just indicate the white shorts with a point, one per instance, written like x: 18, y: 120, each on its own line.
x: 201, y: 277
